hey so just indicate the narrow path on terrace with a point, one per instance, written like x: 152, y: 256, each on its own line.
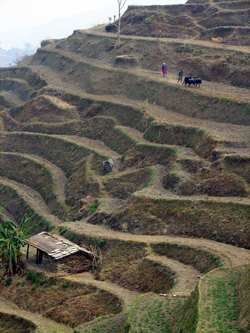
x: 185, y: 281
x: 1, y: 121
x: 86, y: 278
x: 32, y: 198
x: 221, y: 9
x: 214, y: 4
x: 161, y: 194
x: 135, y: 135
x: 10, y: 99
x: 43, y: 324
x: 60, y: 104
x: 234, y: 150
x: 231, y: 255
x: 59, y: 179
x: 22, y: 82
x: 219, y: 131
x: 96, y: 145
x: 125, y: 295
x: 6, y: 117
x: 88, y: 144
x: 198, y: 27
x: 21, y: 87
x: 209, y: 44
x: 208, y: 88
x: 186, y: 276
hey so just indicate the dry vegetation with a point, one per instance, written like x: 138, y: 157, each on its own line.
x: 171, y: 221
x: 59, y: 300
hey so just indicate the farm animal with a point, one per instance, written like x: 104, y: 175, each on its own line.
x: 189, y: 81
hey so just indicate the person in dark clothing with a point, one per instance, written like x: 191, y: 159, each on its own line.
x: 180, y: 76
x: 164, y: 69
x: 108, y: 165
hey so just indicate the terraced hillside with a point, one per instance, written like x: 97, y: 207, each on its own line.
x: 219, y: 20
x: 171, y: 221
x: 199, y: 37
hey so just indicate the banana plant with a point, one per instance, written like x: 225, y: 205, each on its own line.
x: 12, y: 239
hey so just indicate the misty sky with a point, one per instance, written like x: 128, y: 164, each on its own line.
x: 31, y: 21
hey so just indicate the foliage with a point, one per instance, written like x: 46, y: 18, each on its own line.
x: 38, y: 279
x: 92, y: 208
x: 100, y: 243
x: 66, y: 285
x: 12, y: 239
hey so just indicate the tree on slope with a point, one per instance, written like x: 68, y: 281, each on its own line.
x: 12, y: 239
x: 121, y: 5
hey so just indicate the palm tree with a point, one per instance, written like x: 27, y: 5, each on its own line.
x: 12, y: 239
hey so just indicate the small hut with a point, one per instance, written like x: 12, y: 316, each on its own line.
x: 55, y: 247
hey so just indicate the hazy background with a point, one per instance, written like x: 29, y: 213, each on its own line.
x: 30, y: 21
x: 25, y: 23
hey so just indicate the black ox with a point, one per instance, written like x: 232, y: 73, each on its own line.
x: 192, y: 81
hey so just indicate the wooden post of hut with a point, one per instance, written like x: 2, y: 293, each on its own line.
x: 27, y: 253
x: 39, y: 257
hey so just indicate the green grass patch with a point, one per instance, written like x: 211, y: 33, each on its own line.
x: 38, y: 279
x: 92, y: 208
x: 189, y: 314
x: 149, y: 314
x: 244, y: 298
x: 153, y: 314
x: 110, y: 324
x: 219, y: 310
x: 152, y: 173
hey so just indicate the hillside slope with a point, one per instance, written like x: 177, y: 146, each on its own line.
x: 221, y: 21
x: 172, y: 219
